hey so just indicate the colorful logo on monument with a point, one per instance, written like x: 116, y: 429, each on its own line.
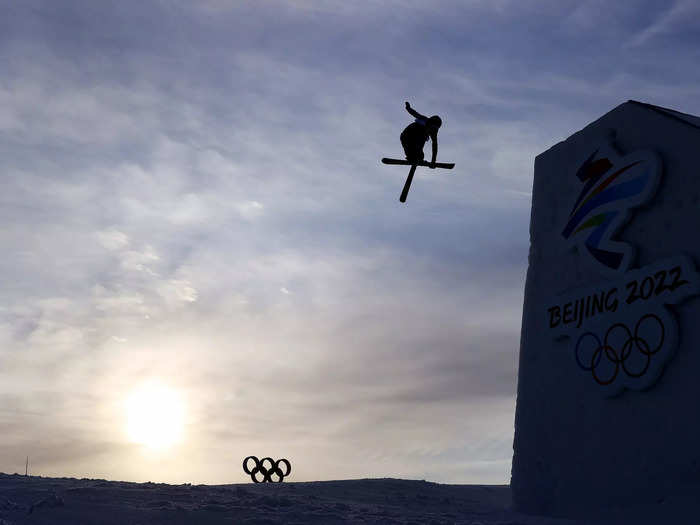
x: 622, y: 331
x: 612, y: 186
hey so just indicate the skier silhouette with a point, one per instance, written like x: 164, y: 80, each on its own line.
x: 416, y: 134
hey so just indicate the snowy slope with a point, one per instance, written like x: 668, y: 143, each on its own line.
x: 381, y: 501
x: 85, y: 501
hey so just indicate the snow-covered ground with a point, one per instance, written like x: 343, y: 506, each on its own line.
x: 382, y: 501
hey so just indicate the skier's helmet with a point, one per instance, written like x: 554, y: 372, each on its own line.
x: 435, y: 121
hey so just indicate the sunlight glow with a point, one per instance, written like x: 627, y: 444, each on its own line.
x: 155, y: 416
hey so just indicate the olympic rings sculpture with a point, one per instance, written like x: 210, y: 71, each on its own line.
x: 267, y: 473
x: 619, y: 359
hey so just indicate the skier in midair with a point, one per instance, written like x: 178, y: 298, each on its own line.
x: 416, y: 134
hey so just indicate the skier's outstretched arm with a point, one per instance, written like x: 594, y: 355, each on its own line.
x: 433, y: 139
x: 414, y: 113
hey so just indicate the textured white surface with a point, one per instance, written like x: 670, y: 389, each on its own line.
x: 368, y: 501
x: 65, y: 501
x: 575, y: 450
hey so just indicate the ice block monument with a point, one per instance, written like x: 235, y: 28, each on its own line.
x: 608, y: 403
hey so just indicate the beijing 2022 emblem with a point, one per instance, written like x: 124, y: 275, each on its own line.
x: 622, y: 332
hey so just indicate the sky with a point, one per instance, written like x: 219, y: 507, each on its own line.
x: 204, y: 259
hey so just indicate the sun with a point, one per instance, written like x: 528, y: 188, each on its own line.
x: 154, y: 416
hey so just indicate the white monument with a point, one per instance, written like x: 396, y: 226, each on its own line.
x: 609, y: 376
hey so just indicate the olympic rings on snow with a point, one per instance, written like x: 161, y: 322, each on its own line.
x: 604, y: 348
x: 266, y: 472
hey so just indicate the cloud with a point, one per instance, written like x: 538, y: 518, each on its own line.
x: 113, y: 239
x: 250, y: 209
x: 675, y: 16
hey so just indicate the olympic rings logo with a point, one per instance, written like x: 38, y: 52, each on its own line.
x: 267, y: 473
x: 619, y: 360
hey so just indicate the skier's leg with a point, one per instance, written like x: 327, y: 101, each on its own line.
x: 406, y: 145
x: 414, y: 152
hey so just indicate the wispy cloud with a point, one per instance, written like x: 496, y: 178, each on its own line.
x: 676, y: 15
